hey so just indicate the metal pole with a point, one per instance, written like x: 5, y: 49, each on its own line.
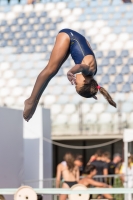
x: 120, y: 115
x: 126, y: 166
x: 125, y: 150
x: 41, y: 154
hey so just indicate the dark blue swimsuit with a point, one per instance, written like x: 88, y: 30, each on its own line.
x: 78, y: 46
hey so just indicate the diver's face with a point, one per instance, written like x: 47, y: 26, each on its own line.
x: 81, y: 80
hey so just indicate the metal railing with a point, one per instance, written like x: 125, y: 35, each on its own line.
x: 113, y: 180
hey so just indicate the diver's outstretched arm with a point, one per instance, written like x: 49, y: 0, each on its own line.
x: 84, y: 69
x: 58, y: 56
x: 77, y: 68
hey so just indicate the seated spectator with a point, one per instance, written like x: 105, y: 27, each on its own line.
x: 69, y: 172
x: 90, y: 172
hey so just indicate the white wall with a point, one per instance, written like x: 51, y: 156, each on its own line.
x: 37, y: 153
x: 11, y: 148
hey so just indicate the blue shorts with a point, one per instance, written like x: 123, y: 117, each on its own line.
x: 78, y: 46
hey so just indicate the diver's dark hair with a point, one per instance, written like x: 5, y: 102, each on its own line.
x: 89, y: 169
x: 90, y: 89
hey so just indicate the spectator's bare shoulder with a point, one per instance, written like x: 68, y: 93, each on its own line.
x: 85, y: 181
x: 59, y: 166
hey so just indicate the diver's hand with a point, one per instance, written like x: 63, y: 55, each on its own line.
x: 71, y: 77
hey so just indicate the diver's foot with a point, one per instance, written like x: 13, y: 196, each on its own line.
x: 28, y: 109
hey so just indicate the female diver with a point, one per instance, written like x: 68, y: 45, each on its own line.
x: 68, y: 42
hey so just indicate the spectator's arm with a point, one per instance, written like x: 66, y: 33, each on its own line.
x: 108, y: 196
x: 77, y: 174
x: 117, y: 170
x: 97, y: 184
x: 122, y: 177
x: 105, y: 172
x: 121, y: 169
x: 58, y: 176
x: 105, y: 169
x: 92, y: 158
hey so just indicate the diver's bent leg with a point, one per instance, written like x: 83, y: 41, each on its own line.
x: 31, y: 103
x: 58, y: 56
